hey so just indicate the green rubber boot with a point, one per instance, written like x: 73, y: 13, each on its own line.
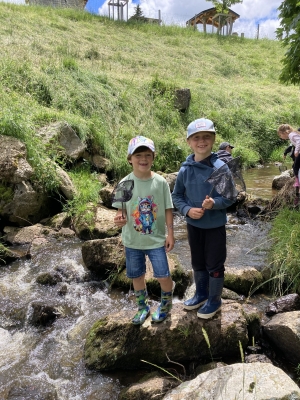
x: 165, y: 306
x: 143, y: 308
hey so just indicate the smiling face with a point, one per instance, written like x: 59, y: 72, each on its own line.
x: 141, y: 162
x: 201, y: 143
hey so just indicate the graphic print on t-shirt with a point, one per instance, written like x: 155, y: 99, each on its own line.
x: 144, y: 215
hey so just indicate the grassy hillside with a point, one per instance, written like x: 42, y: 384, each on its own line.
x: 113, y: 80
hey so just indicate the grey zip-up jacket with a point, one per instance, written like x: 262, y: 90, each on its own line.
x: 191, y: 189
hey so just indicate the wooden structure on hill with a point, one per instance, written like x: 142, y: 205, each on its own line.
x: 119, y: 5
x: 218, y: 20
x: 58, y: 3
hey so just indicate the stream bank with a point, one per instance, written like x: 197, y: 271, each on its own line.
x: 49, y: 359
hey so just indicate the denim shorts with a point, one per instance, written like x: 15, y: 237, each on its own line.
x: 136, y: 262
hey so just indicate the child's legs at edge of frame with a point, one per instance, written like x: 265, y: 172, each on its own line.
x: 296, y: 167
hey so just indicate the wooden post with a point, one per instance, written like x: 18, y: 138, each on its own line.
x: 242, y: 35
x: 257, y: 32
x: 195, y: 23
x: 159, y: 17
x: 231, y: 23
x: 204, y: 25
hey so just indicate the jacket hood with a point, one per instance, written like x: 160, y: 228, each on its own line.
x: 223, y: 153
x: 190, y: 161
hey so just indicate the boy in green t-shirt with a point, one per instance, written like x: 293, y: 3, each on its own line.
x: 143, y: 229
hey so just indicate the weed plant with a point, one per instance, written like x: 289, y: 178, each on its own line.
x: 284, y: 253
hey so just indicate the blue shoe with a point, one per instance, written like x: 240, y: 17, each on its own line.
x: 214, y: 302
x: 201, y: 279
x: 165, y: 306
x: 143, y: 308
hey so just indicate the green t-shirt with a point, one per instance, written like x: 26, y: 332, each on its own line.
x: 145, y: 228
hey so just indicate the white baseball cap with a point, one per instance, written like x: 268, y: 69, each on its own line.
x: 200, y: 125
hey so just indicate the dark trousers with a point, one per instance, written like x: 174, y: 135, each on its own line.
x: 208, y: 249
x: 296, y: 166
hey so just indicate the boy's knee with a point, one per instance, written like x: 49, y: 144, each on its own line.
x: 164, y: 279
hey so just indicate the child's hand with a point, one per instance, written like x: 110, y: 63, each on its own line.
x: 169, y: 244
x: 208, y: 203
x: 120, y: 221
x: 195, y: 213
x: 296, y: 154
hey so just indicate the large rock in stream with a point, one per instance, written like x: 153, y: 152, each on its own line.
x: 283, y: 330
x: 114, y: 342
x: 256, y: 381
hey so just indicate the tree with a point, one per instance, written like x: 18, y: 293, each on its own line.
x: 222, y: 6
x: 138, y: 12
x: 289, y: 33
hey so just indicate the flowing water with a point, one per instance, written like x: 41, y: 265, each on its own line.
x: 35, y: 362
x: 259, y: 180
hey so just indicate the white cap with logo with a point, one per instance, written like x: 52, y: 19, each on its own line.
x: 200, y: 125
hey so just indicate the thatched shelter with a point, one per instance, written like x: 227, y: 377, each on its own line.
x: 212, y: 17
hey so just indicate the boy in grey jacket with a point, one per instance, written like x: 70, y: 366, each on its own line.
x: 205, y: 216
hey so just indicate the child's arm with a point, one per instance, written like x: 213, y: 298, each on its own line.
x: 180, y: 201
x: 295, y: 137
x: 169, y: 244
x: 119, y: 220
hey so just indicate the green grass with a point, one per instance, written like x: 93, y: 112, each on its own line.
x: 284, y: 253
x: 113, y: 80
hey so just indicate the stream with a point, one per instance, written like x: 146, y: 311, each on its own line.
x: 47, y: 362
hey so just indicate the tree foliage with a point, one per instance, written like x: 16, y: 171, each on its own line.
x: 289, y: 33
x: 138, y: 12
x: 222, y: 6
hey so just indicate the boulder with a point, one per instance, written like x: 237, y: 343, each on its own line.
x: 101, y: 226
x: 63, y: 135
x: 65, y: 184
x: 243, y: 279
x: 102, y: 255
x: 182, y: 98
x: 290, y: 302
x: 280, y: 180
x: 254, y: 381
x: 283, y: 330
x: 27, y: 205
x: 114, y: 342
x: 13, y: 165
x: 105, y: 194
x: 150, y: 387
x: 43, y: 314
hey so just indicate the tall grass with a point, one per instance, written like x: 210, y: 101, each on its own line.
x: 284, y: 253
